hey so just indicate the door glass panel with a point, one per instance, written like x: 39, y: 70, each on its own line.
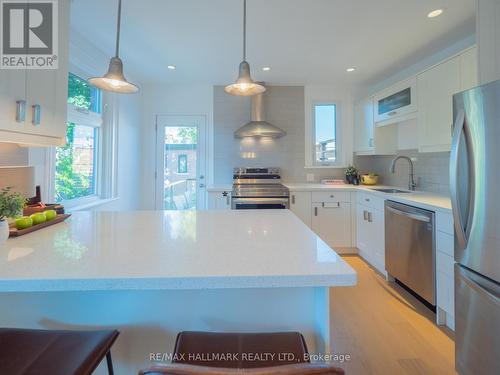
x: 180, y: 167
x: 395, y: 101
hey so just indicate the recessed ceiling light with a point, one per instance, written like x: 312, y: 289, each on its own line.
x: 171, y: 67
x: 350, y: 70
x: 435, y: 13
x: 266, y: 68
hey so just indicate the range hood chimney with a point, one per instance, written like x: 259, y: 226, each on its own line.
x: 258, y: 127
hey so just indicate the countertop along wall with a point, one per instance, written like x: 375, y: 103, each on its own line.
x: 284, y: 106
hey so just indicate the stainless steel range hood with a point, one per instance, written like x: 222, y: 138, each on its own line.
x: 258, y: 127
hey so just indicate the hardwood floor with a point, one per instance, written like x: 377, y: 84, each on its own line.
x: 386, y: 330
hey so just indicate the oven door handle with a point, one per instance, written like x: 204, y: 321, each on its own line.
x: 261, y: 200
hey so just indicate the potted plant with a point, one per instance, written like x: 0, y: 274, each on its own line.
x: 11, y: 205
x: 351, y: 173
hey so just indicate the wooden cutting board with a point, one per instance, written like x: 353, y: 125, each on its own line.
x: 14, y: 232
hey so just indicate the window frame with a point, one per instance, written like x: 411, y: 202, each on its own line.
x: 313, y: 163
x: 105, y: 149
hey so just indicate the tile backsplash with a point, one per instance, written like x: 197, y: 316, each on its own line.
x: 284, y: 107
x: 431, y: 170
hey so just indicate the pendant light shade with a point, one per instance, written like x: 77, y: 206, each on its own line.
x: 114, y: 80
x: 244, y: 85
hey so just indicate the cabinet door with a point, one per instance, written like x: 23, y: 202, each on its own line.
x: 436, y: 87
x: 48, y: 88
x: 300, y: 205
x: 468, y: 69
x: 218, y: 200
x: 332, y: 222
x: 363, y: 126
x: 376, y: 223
x: 12, y: 89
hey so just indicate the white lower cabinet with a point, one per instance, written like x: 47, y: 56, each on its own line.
x: 445, y: 263
x: 300, y: 205
x: 219, y: 200
x: 332, y: 222
x: 370, y: 235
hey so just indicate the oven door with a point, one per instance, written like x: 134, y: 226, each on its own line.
x: 259, y: 203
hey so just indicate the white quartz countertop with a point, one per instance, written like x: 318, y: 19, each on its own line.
x: 426, y: 200
x: 171, y: 250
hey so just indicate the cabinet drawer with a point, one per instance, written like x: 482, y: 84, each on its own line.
x: 370, y: 200
x: 445, y: 243
x: 445, y: 264
x: 444, y: 222
x: 331, y: 196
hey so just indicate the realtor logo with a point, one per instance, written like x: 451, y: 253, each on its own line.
x: 29, y: 34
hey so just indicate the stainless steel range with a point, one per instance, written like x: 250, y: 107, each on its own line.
x: 258, y: 188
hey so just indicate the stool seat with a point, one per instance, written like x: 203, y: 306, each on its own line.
x: 54, y: 352
x: 240, y: 350
x: 214, y: 353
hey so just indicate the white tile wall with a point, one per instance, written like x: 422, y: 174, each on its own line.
x: 431, y: 170
x: 284, y: 107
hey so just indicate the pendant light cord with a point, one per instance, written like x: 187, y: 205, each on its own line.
x: 118, y: 22
x: 244, y: 30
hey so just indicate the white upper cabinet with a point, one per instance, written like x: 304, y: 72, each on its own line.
x: 368, y: 138
x: 44, y: 94
x: 363, y: 126
x: 396, y: 103
x: 436, y: 87
x: 469, y: 73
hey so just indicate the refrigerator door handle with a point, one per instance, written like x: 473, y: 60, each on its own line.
x: 481, y: 289
x: 461, y: 228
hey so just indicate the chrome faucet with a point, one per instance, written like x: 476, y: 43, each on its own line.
x: 411, y: 182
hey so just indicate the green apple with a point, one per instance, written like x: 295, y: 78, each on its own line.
x: 38, y: 218
x: 50, y: 214
x: 24, y: 222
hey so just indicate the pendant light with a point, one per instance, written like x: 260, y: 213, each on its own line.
x: 244, y: 85
x: 114, y: 80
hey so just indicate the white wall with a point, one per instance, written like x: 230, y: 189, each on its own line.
x: 169, y: 100
x: 488, y: 35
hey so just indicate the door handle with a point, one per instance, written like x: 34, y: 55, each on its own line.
x: 461, y: 228
x: 293, y: 199
x: 365, y: 215
x: 228, y: 200
x: 370, y: 217
x: 410, y: 215
x: 481, y: 289
x: 201, y: 185
x: 36, y: 114
x: 315, y: 211
x: 20, y: 110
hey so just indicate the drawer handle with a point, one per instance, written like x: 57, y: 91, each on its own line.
x: 20, y: 110
x: 36, y: 114
x: 332, y: 196
x: 370, y: 217
x: 365, y: 215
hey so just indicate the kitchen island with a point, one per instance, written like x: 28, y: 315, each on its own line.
x: 151, y: 274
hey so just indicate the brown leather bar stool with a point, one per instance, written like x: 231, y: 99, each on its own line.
x: 33, y: 351
x: 212, y: 353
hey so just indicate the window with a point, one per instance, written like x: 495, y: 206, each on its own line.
x: 77, y: 163
x: 325, y: 150
x: 182, y: 164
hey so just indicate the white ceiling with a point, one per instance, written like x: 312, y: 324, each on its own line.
x: 304, y: 41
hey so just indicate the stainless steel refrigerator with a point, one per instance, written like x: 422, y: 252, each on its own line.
x: 475, y: 195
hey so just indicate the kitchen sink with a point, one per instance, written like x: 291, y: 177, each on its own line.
x: 392, y: 191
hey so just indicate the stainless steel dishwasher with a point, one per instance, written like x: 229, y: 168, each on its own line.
x: 410, y: 249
